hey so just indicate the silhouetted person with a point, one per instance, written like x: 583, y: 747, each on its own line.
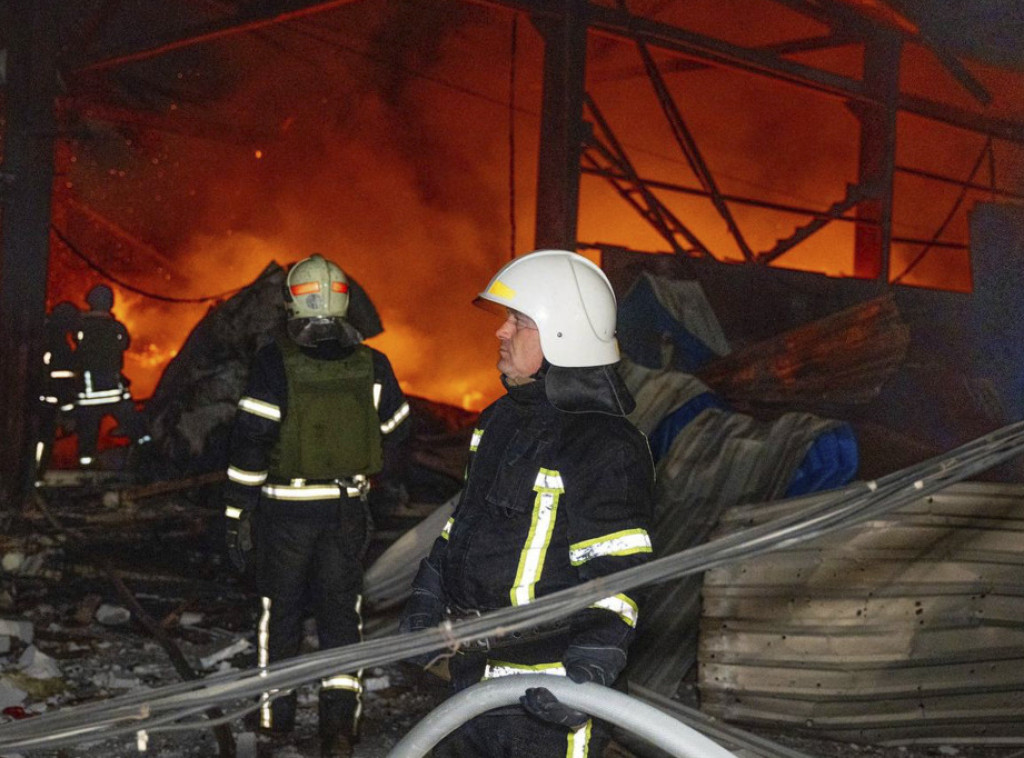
x: 61, y: 378
x: 100, y: 343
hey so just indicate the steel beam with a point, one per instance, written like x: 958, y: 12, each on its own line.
x: 561, y: 129
x: 25, y: 238
x: 688, y: 144
x: 188, y: 126
x: 614, y: 23
x: 877, y: 156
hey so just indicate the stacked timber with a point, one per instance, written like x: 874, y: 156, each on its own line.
x: 909, y: 627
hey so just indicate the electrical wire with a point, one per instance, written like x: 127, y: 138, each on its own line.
x: 987, y: 149
x: 107, y: 274
x: 180, y: 705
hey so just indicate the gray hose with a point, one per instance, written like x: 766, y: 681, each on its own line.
x: 646, y: 721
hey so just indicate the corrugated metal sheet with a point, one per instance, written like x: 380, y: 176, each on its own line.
x: 907, y: 627
x: 717, y: 460
x: 388, y: 581
x: 722, y: 459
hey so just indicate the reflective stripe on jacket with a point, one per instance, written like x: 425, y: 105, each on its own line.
x: 551, y: 500
x: 264, y: 407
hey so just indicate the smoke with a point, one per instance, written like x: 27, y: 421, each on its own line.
x: 379, y: 135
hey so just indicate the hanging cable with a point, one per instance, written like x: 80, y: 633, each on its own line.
x: 106, y: 274
x: 949, y: 216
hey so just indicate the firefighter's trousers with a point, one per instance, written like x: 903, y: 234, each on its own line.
x: 311, y: 563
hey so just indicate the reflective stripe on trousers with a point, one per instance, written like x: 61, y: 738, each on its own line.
x: 578, y: 741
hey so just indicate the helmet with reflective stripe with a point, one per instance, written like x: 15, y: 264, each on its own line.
x: 316, y: 288
x: 570, y: 300
x: 316, y: 298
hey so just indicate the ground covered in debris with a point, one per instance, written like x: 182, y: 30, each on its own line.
x: 89, y: 586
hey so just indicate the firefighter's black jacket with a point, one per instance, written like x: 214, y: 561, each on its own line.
x: 552, y: 499
x: 264, y: 406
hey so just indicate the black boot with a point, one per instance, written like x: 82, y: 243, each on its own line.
x: 338, y: 746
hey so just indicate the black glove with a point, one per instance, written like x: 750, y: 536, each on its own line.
x: 600, y: 665
x: 238, y: 536
x: 587, y: 671
x: 540, y: 702
x: 422, y: 611
x: 424, y: 608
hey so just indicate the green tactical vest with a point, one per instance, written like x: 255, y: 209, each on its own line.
x: 332, y: 429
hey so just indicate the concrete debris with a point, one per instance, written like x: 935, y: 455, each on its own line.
x: 31, y: 561
x: 22, y: 629
x: 12, y: 561
x: 113, y: 615
x: 17, y: 562
x: 238, y: 646
x: 374, y: 683
x: 10, y: 695
x: 38, y: 665
x: 112, y: 680
x: 190, y: 618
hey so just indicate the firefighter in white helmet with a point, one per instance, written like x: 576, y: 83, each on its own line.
x: 559, y: 491
x: 312, y: 426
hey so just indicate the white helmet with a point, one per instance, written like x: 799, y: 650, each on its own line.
x: 316, y: 297
x: 569, y: 298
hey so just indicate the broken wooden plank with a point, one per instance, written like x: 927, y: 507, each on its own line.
x: 842, y: 358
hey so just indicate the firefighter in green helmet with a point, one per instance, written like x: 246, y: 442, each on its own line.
x: 311, y: 428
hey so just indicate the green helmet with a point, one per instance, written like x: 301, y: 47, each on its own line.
x: 316, y: 299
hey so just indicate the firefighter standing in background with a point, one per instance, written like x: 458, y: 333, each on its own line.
x: 558, y: 491
x: 307, y: 435
x: 61, y: 378
x: 100, y: 343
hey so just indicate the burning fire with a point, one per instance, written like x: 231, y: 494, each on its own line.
x: 393, y: 160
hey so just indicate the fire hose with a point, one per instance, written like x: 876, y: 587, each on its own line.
x: 644, y: 720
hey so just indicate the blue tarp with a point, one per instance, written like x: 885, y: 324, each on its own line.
x: 645, y: 325
x: 830, y: 462
x: 665, y: 432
